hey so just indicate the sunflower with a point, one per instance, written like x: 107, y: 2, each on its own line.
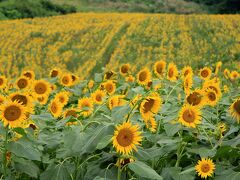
x: 3, y: 82
x: 130, y: 78
x: 55, y: 73
x: 22, y: 82
x: 159, y: 68
x: 235, y: 110
x: 144, y: 76
x: 66, y: 80
x: 226, y: 73
x: 225, y: 89
x: 189, y: 116
x: 13, y: 114
x: 214, y: 85
x: 110, y: 87
x: 42, y: 99
x: 109, y: 75
x: 2, y: 99
x: 218, y: 67
x: 71, y: 112
x: 90, y: 84
x: 221, y: 128
x: 126, y: 137
x: 150, y: 106
x: 196, y: 98
x: 211, y: 97
x: 29, y: 74
x: 172, y: 73
x: 62, y: 97
x: 205, y: 73
x: 205, y: 167
x: 98, y: 96
x: 55, y: 108
x: 24, y: 99
x: 234, y: 75
x: 85, y: 106
x: 124, y: 69
x: 151, y: 124
x: 123, y: 161
x: 187, y: 70
x: 41, y: 88
x: 116, y: 100
x: 74, y: 78
x: 187, y: 83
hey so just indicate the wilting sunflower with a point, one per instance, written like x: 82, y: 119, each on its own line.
x: 22, y: 83
x: 98, y: 96
x: 13, y: 114
x: 116, y: 100
x: 234, y: 75
x: 205, y: 73
x: 41, y: 88
x: 151, y: 124
x: 71, y: 112
x: 235, y: 110
x: 62, y: 97
x: 226, y: 73
x: 55, y: 73
x: 124, y: 69
x: 110, y: 87
x: 109, y: 75
x: 144, y: 76
x: 187, y: 83
x: 2, y: 99
x: 66, y: 80
x: 126, y: 137
x: 74, y: 78
x: 85, y: 106
x: 24, y: 99
x: 218, y: 67
x: 189, y: 116
x: 187, y: 70
x: 172, y: 73
x: 211, y: 97
x: 205, y: 167
x: 3, y: 82
x: 221, y: 128
x: 214, y: 85
x: 196, y: 98
x: 150, y: 106
x: 159, y: 68
x: 122, y: 162
x: 55, y: 108
x: 29, y: 74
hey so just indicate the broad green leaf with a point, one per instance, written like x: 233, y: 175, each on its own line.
x: 104, y: 141
x: 27, y: 167
x: 55, y: 172
x: 172, y: 129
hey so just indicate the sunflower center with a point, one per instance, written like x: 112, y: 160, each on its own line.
x: 148, y: 105
x: 65, y: 80
x: 54, y: 73
x: 188, y: 116
x: 205, y: 167
x: 170, y: 73
x: 98, y: 97
x: 1, y: 81
x: 40, y: 88
x: 108, y: 75
x: 159, y: 69
x: 28, y: 74
x: 54, y: 107
x: 12, y: 113
x: 20, y: 98
x: 211, y: 96
x: 124, y: 69
x: 142, y: 76
x: 109, y: 87
x: 22, y: 83
x: 71, y: 113
x: 62, y: 99
x: 125, y: 137
x: 236, y: 106
x: 186, y: 73
x: 213, y: 88
x: 194, y: 98
x: 204, y: 73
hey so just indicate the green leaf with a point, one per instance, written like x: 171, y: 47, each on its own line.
x: 98, y: 77
x: 118, y: 113
x: 228, y: 174
x: 144, y: 170
x: 55, y: 172
x: 27, y: 167
x: 104, y: 141
x: 202, y: 151
x: 172, y: 129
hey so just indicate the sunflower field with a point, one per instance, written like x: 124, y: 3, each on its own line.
x: 120, y: 96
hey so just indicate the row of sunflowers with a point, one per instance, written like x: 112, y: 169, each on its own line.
x: 158, y: 123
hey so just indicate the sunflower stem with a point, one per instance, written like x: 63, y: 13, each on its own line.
x: 5, y: 154
x: 119, y: 172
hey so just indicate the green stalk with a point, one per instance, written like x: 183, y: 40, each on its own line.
x: 5, y: 154
x: 119, y: 172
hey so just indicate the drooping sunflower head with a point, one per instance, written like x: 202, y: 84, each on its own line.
x: 214, y: 86
x: 205, y: 73
x: 159, y: 68
x: 13, y: 114
x: 235, y: 110
x: 144, y: 76
x: 29, y: 74
x: 98, y: 96
x: 187, y: 83
x: 187, y: 70
x: 70, y: 112
x: 226, y: 73
x: 110, y: 87
x: 196, y: 98
x: 189, y: 116
x: 42, y: 99
x: 55, y: 108
x: 41, y: 88
x: 22, y: 83
x: 124, y: 69
x: 2, y: 99
x: 62, y: 97
x: 66, y: 80
x: 74, y: 78
x: 218, y: 67
x: 234, y: 75
x: 116, y: 100
x: 85, y: 106
x: 109, y: 75
x: 24, y: 99
x: 55, y: 73
x: 151, y: 124
x: 126, y: 137
x: 211, y: 97
x: 205, y: 168
x: 150, y: 106
x: 3, y: 82
x: 172, y: 73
